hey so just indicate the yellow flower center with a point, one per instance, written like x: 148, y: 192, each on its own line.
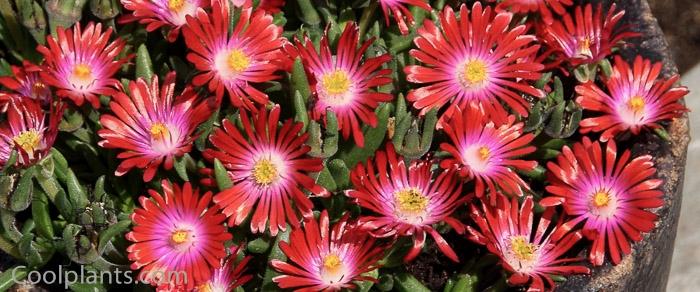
x: 522, y: 248
x: 28, y: 140
x: 336, y: 82
x: 179, y: 236
x: 601, y: 199
x: 265, y: 172
x: 238, y: 61
x: 636, y: 104
x: 411, y: 200
x: 82, y: 71
x: 206, y: 287
x: 159, y: 131
x: 176, y: 5
x: 584, y: 47
x: 484, y: 153
x: 474, y: 72
x: 331, y: 263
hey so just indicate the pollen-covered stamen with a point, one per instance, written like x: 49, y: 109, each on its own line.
x: 332, y: 268
x: 636, y: 104
x: 28, y: 140
x: 584, y: 47
x: 473, y: 74
x: 82, y: 71
x: 522, y: 249
x: 265, y: 172
x: 411, y: 201
x: 484, y: 153
x: 38, y: 88
x: 176, y: 5
x: 238, y: 61
x: 180, y: 236
x: 336, y: 82
x: 159, y: 131
x: 601, y: 199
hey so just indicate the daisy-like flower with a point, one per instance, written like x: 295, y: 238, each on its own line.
x: 609, y: 193
x: 233, y: 60
x: 406, y: 199
x: 325, y: 259
x: 151, y: 125
x: 532, y: 253
x: 80, y: 63
x: 474, y: 58
x: 402, y: 15
x: 159, y: 13
x: 269, y: 167
x: 28, y: 129
x: 486, y: 148
x: 540, y: 6
x: 229, y: 275
x: 636, y: 99
x: 588, y: 36
x: 26, y: 82
x: 344, y: 83
x: 178, y: 237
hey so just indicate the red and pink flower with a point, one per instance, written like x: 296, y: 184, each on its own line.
x: 178, y: 237
x: 540, y: 6
x: 402, y: 15
x: 28, y: 129
x: 80, y: 63
x: 532, y: 253
x: 477, y: 57
x: 234, y: 60
x: 269, y: 167
x: 26, y: 82
x: 343, y: 83
x: 406, y: 199
x: 325, y: 259
x: 151, y: 125
x: 229, y: 275
x: 159, y: 13
x: 586, y: 37
x: 609, y: 194
x: 485, y: 147
x: 635, y: 99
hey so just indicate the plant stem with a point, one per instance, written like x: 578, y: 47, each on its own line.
x: 367, y: 16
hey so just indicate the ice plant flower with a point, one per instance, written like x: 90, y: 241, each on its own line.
x: 587, y: 36
x: 406, y: 199
x: 29, y: 130
x: 162, y: 13
x: 636, y: 99
x: 486, y: 149
x: 234, y: 60
x: 80, y: 63
x: 474, y: 58
x: 343, y: 83
x: 402, y: 15
x: 321, y: 258
x: 532, y: 253
x: 151, y: 125
x: 269, y: 166
x: 178, y: 237
x: 26, y: 82
x: 610, y: 194
x: 540, y: 6
x: 229, y: 275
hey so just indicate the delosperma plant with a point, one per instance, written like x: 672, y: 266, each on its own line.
x: 220, y: 145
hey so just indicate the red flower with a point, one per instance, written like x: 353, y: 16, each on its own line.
x: 80, y: 63
x: 406, y: 199
x: 232, y: 60
x: 325, y: 259
x: 152, y: 126
x: 269, y: 167
x: 28, y: 129
x: 541, y: 6
x: 532, y: 255
x: 178, y: 238
x: 229, y: 276
x: 158, y: 13
x: 474, y: 58
x: 587, y: 38
x: 607, y: 193
x: 271, y: 6
x: 26, y: 82
x: 343, y: 83
x: 637, y: 99
x: 402, y: 15
x: 486, y: 148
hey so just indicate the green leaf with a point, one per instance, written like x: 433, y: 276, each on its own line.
x: 405, y: 282
x: 40, y: 213
x: 302, y: 114
x: 340, y: 173
x: 325, y: 179
x: 144, y: 66
x: 364, y: 286
x: 299, y: 82
x: 374, y: 137
x: 76, y: 192
x: 276, y: 253
x: 22, y: 196
x: 12, y: 276
x: 108, y: 234
x: 223, y: 181
x: 181, y: 168
x: 259, y: 245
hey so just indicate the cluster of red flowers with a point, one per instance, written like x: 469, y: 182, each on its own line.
x: 476, y: 65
